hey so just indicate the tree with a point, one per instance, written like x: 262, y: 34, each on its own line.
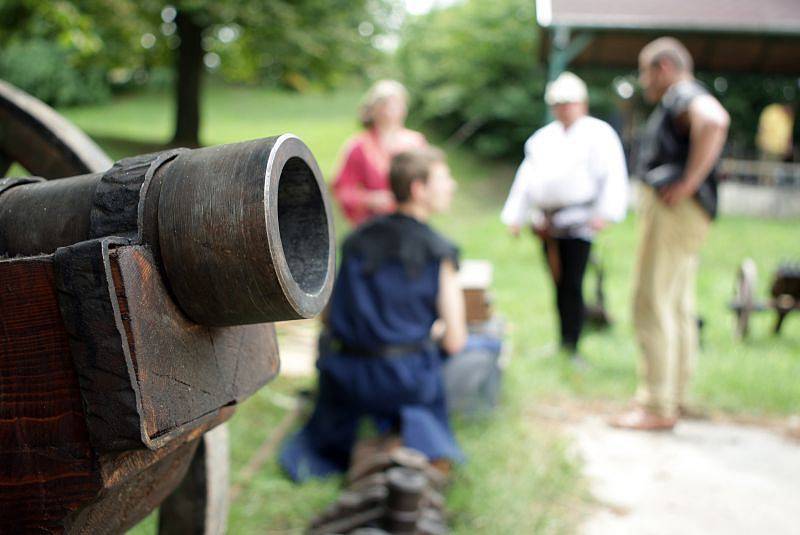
x: 294, y: 44
x: 288, y: 43
x: 474, y: 72
x: 472, y: 69
x: 188, y: 83
x: 56, y: 51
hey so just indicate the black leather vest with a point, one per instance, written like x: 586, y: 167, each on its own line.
x: 665, y: 146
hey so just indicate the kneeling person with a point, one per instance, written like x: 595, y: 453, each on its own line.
x: 397, y: 277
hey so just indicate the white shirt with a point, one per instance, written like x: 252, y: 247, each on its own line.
x: 578, y: 171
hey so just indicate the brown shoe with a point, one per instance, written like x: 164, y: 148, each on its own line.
x: 640, y: 419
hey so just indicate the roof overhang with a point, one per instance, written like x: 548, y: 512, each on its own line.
x: 722, y: 35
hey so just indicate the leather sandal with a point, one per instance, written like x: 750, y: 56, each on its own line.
x: 641, y: 419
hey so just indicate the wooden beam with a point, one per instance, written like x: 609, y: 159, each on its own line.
x: 47, y: 465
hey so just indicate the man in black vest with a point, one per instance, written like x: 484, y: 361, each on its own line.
x: 683, y: 139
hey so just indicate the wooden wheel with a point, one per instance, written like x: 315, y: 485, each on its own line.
x: 744, y: 296
x: 42, y: 141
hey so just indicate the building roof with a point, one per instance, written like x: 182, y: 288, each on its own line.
x: 736, y: 16
x: 754, y: 36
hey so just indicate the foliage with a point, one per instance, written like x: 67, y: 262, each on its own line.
x: 297, y: 44
x: 473, y: 67
x: 66, y: 52
x: 286, y: 43
x: 474, y: 72
x: 128, y: 43
x: 44, y: 69
x: 744, y: 96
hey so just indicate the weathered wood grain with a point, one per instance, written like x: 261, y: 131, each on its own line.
x: 116, y: 200
x: 135, y: 482
x: 99, y: 346
x: 47, y: 467
x: 184, y: 371
x: 122, y: 506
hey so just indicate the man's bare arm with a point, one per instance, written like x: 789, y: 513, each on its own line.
x: 451, y: 309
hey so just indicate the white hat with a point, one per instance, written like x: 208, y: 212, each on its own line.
x: 566, y: 88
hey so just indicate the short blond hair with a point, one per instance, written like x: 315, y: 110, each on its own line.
x: 380, y: 91
x: 670, y: 49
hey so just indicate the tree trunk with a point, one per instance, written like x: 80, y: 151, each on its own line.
x: 187, y: 86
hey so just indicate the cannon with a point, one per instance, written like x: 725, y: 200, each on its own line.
x: 136, y: 304
x: 785, y: 295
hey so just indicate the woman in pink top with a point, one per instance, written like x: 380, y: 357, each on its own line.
x: 362, y: 185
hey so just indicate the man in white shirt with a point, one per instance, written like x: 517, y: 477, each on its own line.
x: 571, y: 184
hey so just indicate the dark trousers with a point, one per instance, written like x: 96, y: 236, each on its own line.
x: 567, y: 268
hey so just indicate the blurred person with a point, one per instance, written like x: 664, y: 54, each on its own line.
x: 774, y: 137
x: 571, y: 184
x: 378, y: 357
x: 362, y: 185
x: 682, y: 143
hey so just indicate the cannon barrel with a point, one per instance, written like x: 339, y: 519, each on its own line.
x: 135, y: 311
x: 41, y: 216
x: 242, y: 233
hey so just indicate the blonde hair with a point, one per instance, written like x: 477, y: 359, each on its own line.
x: 670, y: 49
x: 380, y: 91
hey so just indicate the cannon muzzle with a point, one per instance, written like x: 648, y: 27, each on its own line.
x: 242, y: 233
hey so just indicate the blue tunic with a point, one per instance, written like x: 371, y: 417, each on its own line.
x: 384, y: 297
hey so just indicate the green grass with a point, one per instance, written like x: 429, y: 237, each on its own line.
x: 521, y: 477
x: 757, y: 377
x: 322, y: 120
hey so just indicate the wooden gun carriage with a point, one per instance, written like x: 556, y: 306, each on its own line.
x: 784, y: 293
x: 135, y: 310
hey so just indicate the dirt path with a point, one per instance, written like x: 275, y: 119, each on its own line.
x: 298, y: 347
x: 703, y: 478
x: 706, y: 477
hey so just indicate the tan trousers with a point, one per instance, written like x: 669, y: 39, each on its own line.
x: 664, y: 314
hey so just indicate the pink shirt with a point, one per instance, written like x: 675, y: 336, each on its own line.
x: 366, y: 169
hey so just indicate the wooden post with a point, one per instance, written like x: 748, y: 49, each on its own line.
x: 199, y: 506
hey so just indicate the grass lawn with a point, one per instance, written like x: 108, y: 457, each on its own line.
x: 521, y: 477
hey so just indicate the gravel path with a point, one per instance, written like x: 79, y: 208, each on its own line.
x: 703, y: 478
x: 297, y: 341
